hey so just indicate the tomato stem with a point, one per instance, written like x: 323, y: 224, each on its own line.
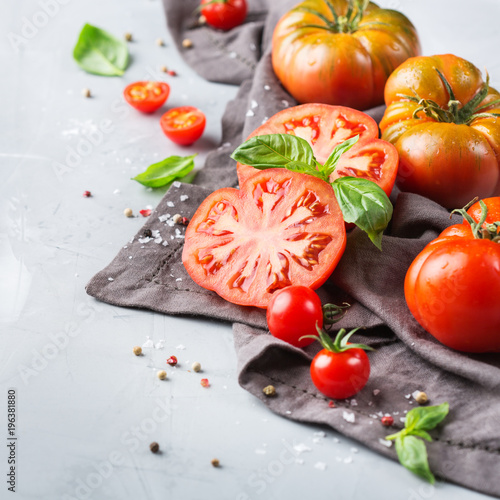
x: 340, y: 344
x: 481, y: 230
x: 333, y: 313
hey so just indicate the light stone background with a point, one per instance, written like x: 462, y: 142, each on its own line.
x: 87, y: 407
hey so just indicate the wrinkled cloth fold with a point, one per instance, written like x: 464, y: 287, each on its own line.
x: 466, y: 450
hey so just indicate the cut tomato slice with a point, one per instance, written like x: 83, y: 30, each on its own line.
x: 146, y: 96
x: 183, y: 125
x: 280, y: 229
x: 324, y: 127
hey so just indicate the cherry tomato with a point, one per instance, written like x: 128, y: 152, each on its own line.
x: 183, y: 125
x: 224, y: 14
x: 279, y: 229
x: 146, y: 96
x: 294, y: 312
x: 452, y: 288
x: 327, y: 51
x: 442, y: 118
x: 341, y: 369
x: 324, y: 127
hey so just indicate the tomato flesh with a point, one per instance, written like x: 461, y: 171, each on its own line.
x: 294, y: 312
x: 183, y: 125
x: 280, y: 229
x: 147, y: 97
x: 340, y: 375
x: 324, y: 127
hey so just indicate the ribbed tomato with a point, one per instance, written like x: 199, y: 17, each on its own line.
x: 279, y: 229
x: 324, y: 127
x: 341, y: 51
x: 443, y: 119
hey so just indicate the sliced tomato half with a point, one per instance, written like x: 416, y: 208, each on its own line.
x: 146, y: 96
x: 279, y: 229
x: 324, y: 127
x: 183, y: 125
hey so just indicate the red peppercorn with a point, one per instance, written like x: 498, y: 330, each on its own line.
x: 184, y: 221
x: 146, y: 212
x: 172, y: 361
x: 331, y: 404
x: 204, y: 382
x: 87, y: 194
x: 387, y: 421
x: 171, y: 72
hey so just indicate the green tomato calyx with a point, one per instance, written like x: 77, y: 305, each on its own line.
x: 340, y: 344
x: 481, y: 229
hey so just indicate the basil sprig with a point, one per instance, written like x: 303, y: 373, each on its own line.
x: 362, y: 202
x: 411, y: 451
x: 100, y: 53
x: 166, y: 171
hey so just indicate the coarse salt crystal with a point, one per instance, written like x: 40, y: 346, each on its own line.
x: 145, y: 240
x: 170, y: 204
x: 111, y: 279
x: 116, y: 191
x: 376, y: 392
x: 178, y: 279
x: 336, y: 440
x: 130, y: 256
x: 163, y: 218
x: 181, y: 347
x: 285, y: 103
x: 402, y: 419
x: 232, y: 55
x: 288, y: 412
x: 320, y: 434
x: 183, y: 197
x: 158, y: 240
x: 250, y: 113
x: 320, y: 466
x: 354, y: 450
x: 348, y: 460
x: 165, y: 243
x: 176, y: 184
x: 254, y: 104
x: 354, y: 402
x: 349, y: 417
x: 155, y: 233
x: 385, y: 442
x: 253, y: 46
x: 159, y: 344
x: 301, y: 448
x: 148, y: 343
x: 267, y: 87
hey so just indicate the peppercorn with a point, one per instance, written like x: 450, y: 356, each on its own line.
x: 184, y: 221
x: 387, y: 421
x: 171, y: 72
x: 215, y: 462
x: 154, y: 447
x: 204, y: 382
x: 87, y: 194
x: 137, y: 350
x: 187, y: 43
x: 86, y: 93
x: 128, y: 212
x: 147, y: 233
x: 202, y: 20
x: 269, y: 391
x: 164, y: 69
x: 421, y: 398
x: 128, y: 37
x: 162, y: 374
x: 196, y: 366
x: 176, y: 219
x: 160, y: 42
x: 172, y: 360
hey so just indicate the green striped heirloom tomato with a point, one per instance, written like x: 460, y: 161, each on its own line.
x: 444, y: 121
x: 341, y: 51
x: 452, y: 288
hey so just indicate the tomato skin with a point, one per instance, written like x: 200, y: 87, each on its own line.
x: 452, y: 288
x: 279, y: 229
x: 319, y: 65
x: 183, y: 125
x: 324, y: 127
x: 493, y: 205
x: 340, y: 375
x: 224, y: 15
x: 294, y: 312
x: 450, y: 163
x: 146, y: 97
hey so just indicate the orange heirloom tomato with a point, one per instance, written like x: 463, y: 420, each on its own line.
x: 452, y: 288
x: 324, y: 127
x: 341, y: 51
x: 279, y: 229
x: 444, y: 121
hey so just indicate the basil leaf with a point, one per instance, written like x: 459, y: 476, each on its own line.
x: 331, y: 163
x: 413, y: 455
x: 365, y: 204
x: 303, y: 168
x: 100, y: 53
x: 423, y: 434
x: 274, y: 151
x: 426, y: 417
x: 161, y: 173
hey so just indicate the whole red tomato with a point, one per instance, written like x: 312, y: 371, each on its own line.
x: 442, y: 118
x: 224, y: 14
x: 452, y: 288
x: 324, y: 127
x: 340, y: 370
x: 279, y: 229
x: 341, y: 52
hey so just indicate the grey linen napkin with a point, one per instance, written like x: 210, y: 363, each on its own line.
x: 466, y: 450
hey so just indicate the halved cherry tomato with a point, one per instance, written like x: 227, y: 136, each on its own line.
x: 183, y: 125
x: 324, y: 127
x: 224, y: 14
x: 279, y: 229
x: 146, y: 96
x: 294, y: 312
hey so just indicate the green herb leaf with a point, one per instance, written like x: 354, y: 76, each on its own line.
x: 331, y: 163
x: 162, y: 173
x: 100, y: 53
x: 365, y: 204
x: 426, y: 417
x: 413, y: 455
x: 275, y: 151
x: 423, y: 434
